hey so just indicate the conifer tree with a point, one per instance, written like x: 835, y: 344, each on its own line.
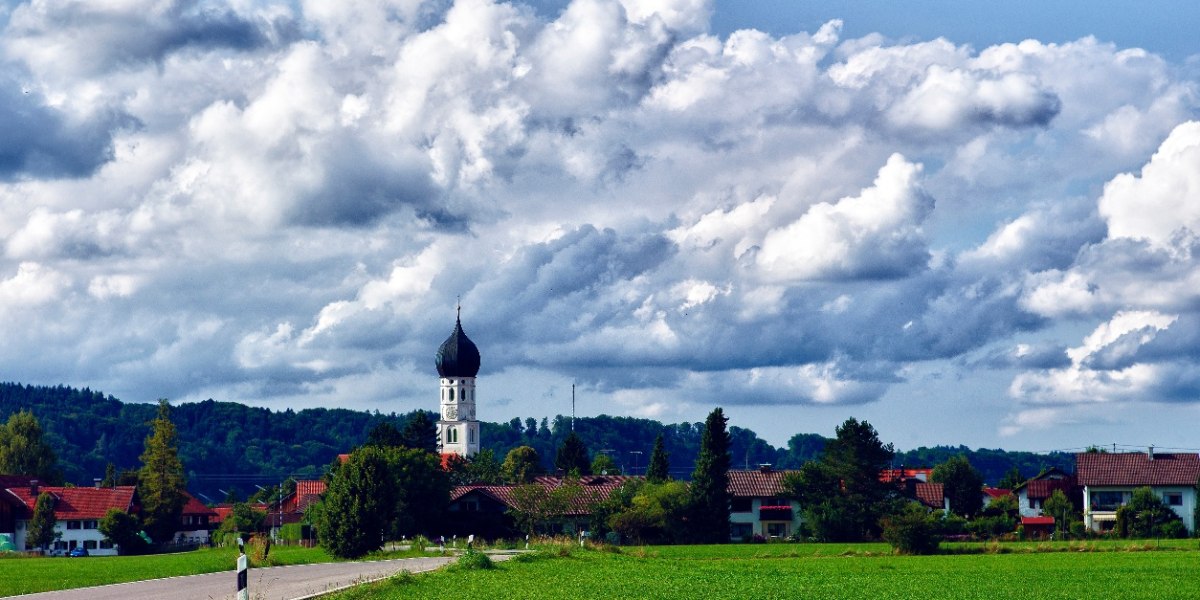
x: 708, y: 500
x: 659, y: 469
x: 161, y: 482
x: 572, y: 456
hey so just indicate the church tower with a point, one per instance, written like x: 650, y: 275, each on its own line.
x: 457, y: 365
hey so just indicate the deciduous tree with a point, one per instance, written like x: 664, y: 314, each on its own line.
x: 161, y: 482
x: 357, y: 505
x: 24, y: 450
x: 962, y: 484
x: 41, y: 526
x: 121, y: 528
x: 604, y: 464
x: 521, y: 465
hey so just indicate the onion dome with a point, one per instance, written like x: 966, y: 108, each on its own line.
x: 458, y: 356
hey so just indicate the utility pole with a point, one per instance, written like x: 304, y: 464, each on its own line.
x: 572, y: 408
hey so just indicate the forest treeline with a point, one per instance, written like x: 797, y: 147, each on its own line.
x: 226, y: 446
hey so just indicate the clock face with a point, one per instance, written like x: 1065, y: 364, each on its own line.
x: 451, y: 412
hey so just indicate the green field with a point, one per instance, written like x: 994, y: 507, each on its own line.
x: 28, y: 575
x: 869, y: 571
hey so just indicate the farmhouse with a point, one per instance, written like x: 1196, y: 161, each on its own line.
x: 77, y: 511
x: 1108, y: 481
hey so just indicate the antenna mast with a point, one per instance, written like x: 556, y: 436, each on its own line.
x: 572, y: 408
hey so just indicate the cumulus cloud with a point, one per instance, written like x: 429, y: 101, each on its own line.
x: 874, y: 235
x: 282, y: 203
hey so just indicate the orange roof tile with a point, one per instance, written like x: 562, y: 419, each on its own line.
x: 79, y: 502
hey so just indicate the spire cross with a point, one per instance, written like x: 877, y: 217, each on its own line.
x: 459, y: 315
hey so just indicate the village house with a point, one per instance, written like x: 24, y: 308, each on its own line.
x: 1033, y: 493
x: 482, y: 509
x: 77, y: 511
x: 196, y: 523
x: 758, y: 507
x: 1108, y: 481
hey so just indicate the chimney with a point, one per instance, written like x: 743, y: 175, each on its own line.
x: 764, y: 467
x: 33, y: 487
x: 1151, y: 453
x: 96, y: 481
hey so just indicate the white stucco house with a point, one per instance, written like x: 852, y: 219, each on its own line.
x: 1108, y: 481
x: 757, y: 505
x: 77, y: 512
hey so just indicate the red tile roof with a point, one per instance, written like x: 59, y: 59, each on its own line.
x: 196, y: 507
x: 1044, y: 488
x: 79, y: 502
x: 992, y: 492
x: 1037, y: 521
x: 756, y: 483
x: 930, y: 494
x: 595, y: 489
x: 224, y: 509
x: 1137, y: 469
x: 307, y: 492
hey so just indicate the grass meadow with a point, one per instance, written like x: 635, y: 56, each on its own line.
x: 1032, y: 571
x: 29, y: 575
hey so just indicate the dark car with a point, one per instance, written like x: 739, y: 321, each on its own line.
x: 78, y: 552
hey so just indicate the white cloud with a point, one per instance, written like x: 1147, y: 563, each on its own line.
x: 874, y: 235
x: 1165, y: 200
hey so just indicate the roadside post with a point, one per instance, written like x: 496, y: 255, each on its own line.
x: 242, y: 568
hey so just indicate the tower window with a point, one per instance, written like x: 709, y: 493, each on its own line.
x: 451, y: 393
x: 452, y: 436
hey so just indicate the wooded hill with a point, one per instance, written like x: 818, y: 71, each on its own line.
x: 229, y: 446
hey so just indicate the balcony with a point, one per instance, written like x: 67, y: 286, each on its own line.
x: 775, y: 513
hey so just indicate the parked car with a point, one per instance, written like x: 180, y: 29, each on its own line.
x: 79, y: 552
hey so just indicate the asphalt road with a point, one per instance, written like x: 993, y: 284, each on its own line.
x: 275, y: 583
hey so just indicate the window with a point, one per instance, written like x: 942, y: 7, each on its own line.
x: 73, y: 545
x: 451, y: 436
x: 91, y: 524
x: 106, y: 544
x: 72, y: 524
x: 471, y: 506
x: 471, y: 434
x: 1107, y: 501
x: 1173, y: 499
x: 60, y: 545
x: 740, y: 504
x: 451, y: 393
x: 89, y: 544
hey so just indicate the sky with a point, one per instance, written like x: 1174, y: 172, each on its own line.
x: 966, y: 224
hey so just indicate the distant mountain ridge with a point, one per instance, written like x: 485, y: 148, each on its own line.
x: 226, y: 445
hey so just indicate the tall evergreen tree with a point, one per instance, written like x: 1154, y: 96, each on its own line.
x: 841, y: 494
x: 420, y: 433
x: 24, y: 451
x: 659, y: 469
x: 572, y: 456
x: 161, y: 482
x: 708, y: 501
x: 41, y: 527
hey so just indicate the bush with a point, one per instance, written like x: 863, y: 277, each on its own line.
x: 912, y: 530
x: 1079, y: 531
x: 472, y: 560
